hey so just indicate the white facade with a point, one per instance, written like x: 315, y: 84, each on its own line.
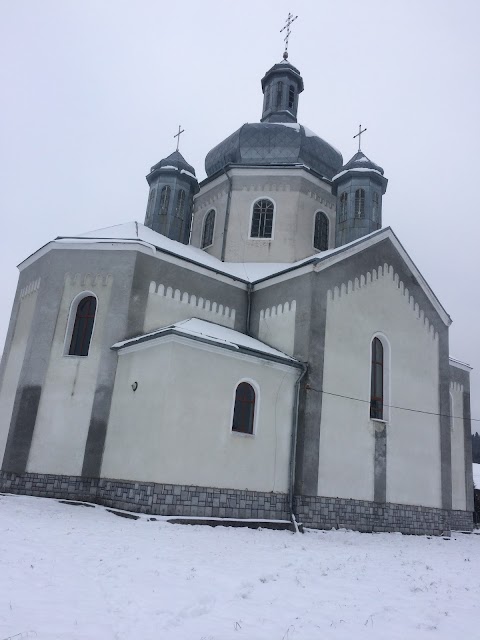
x: 378, y: 305
x: 176, y: 427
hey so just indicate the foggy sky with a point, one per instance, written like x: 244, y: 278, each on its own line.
x: 93, y: 91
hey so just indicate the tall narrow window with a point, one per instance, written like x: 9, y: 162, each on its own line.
x: 291, y: 96
x: 179, y: 209
x: 262, y: 219
x: 360, y: 203
x: 320, y: 236
x: 377, y: 381
x: 376, y: 207
x: 83, y: 327
x: 267, y: 96
x: 164, y: 200
x: 244, y: 410
x: 343, y: 206
x: 208, y: 226
x: 279, y: 93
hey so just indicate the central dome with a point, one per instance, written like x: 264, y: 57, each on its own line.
x: 275, y: 143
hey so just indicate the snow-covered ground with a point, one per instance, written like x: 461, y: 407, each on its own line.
x: 73, y: 572
x: 476, y: 475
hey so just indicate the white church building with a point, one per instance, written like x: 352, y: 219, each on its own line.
x: 260, y: 348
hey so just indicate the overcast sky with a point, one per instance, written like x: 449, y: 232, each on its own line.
x: 93, y: 91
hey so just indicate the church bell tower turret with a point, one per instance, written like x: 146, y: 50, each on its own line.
x: 359, y: 188
x: 172, y: 184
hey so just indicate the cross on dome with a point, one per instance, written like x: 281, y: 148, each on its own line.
x: 177, y: 135
x: 359, y: 135
x: 290, y: 18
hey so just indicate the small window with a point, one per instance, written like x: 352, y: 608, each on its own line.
x: 267, y: 96
x: 262, y: 219
x: 180, y: 208
x: 164, y: 200
x: 291, y: 96
x: 343, y: 206
x: 244, y: 410
x: 377, y: 382
x: 320, y: 236
x: 376, y: 207
x: 208, y: 227
x: 83, y: 327
x: 360, y: 203
x: 279, y: 93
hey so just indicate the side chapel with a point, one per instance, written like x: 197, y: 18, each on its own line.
x: 260, y: 348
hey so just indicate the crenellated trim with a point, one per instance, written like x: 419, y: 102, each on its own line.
x: 279, y: 310
x: 88, y: 279
x: 30, y: 288
x: 456, y: 386
x: 192, y: 300
x: 383, y: 271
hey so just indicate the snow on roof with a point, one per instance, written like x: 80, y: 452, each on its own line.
x: 211, y: 332
x: 355, y: 169
x: 476, y: 475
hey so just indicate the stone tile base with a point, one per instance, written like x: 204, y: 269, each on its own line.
x: 183, y: 500
x: 362, y: 515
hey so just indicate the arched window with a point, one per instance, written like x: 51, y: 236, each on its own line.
x: 320, y: 236
x: 267, y: 96
x: 262, y: 219
x: 244, y: 410
x: 83, y: 327
x: 377, y: 380
x: 291, y: 96
x: 360, y: 203
x: 179, y: 209
x: 164, y: 200
x: 343, y: 206
x: 208, y: 227
x: 279, y: 93
x: 376, y: 207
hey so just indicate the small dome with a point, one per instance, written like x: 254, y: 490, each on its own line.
x: 174, y: 161
x: 360, y: 161
x: 269, y: 143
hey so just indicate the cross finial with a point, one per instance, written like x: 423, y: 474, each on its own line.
x: 291, y: 18
x: 177, y: 135
x: 359, y: 135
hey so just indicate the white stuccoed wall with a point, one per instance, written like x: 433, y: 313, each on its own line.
x: 166, y: 305
x: 297, y: 196
x: 176, y: 427
x: 15, y: 359
x: 458, y: 447
x: 377, y: 302
x: 276, y: 326
x: 63, y: 418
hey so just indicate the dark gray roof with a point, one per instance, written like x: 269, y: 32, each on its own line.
x: 268, y: 143
x: 360, y: 161
x: 176, y: 160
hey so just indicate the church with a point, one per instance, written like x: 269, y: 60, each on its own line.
x: 260, y: 348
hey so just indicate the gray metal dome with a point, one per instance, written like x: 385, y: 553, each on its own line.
x: 360, y: 161
x: 269, y: 143
x: 174, y: 160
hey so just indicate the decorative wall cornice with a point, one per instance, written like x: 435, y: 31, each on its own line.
x: 196, y: 302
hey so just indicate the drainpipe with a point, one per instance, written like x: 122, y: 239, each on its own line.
x: 293, y: 445
x: 227, y: 214
x: 249, y: 307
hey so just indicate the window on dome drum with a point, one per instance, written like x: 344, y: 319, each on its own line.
x: 343, y: 206
x: 244, y: 409
x: 360, y: 203
x: 151, y: 199
x: 376, y: 207
x: 376, y: 393
x: 267, y: 97
x: 279, y: 93
x: 291, y: 96
x: 83, y: 327
x: 164, y: 200
x: 208, y: 226
x: 262, y: 219
x: 179, y: 209
x: 320, y: 236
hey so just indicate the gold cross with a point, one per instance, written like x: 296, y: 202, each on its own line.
x: 288, y: 22
x: 177, y: 135
x: 359, y: 134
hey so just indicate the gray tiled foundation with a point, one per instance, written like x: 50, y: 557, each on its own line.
x: 183, y: 500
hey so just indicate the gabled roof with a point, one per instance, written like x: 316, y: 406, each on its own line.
x: 245, y: 272
x: 212, y: 333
